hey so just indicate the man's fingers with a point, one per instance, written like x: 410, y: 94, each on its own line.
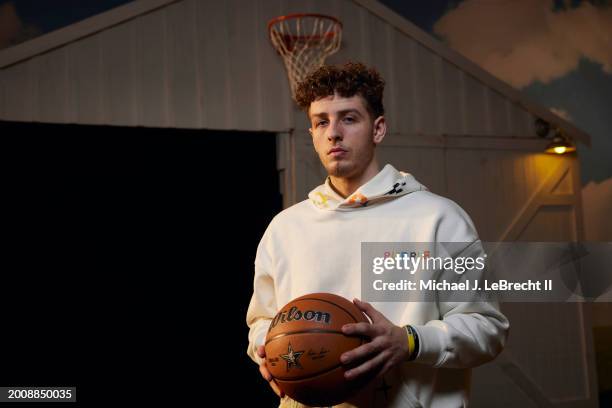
x: 359, y: 329
x: 371, y: 365
x: 369, y: 310
x: 265, y: 373
x: 277, y: 390
x: 359, y: 353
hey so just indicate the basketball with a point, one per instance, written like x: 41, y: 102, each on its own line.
x: 304, y: 344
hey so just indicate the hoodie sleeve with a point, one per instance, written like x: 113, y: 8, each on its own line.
x: 263, y: 305
x: 468, y: 334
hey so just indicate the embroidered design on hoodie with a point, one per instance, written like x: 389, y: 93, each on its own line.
x: 388, y: 184
x: 322, y: 200
x: 395, y: 189
x: 358, y: 198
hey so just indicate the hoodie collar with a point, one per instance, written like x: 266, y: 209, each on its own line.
x: 387, y: 185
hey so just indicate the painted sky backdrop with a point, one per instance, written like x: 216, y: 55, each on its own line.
x: 557, y: 52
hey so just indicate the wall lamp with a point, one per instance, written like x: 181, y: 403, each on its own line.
x: 560, y: 142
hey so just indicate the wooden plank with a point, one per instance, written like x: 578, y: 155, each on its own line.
x: 118, y: 76
x: 352, y: 33
x: 240, y: 54
x: 391, y: 98
x: 215, y: 64
x: 465, y: 180
x: 475, y: 107
x: 334, y: 8
x: 70, y: 73
x: 2, y: 95
x: 530, y: 127
x: 509, y: 197
x: 577, y: 190
x: 518, y: 122
x: 440, y: 93
x: 308, y: 171
x: 486, y: 115
x: 285, y: 163
x: 32, y: 91
x: 182, y: 70
x: 378, y: 38
x: 426, y: 91
x: 149, y: 65
x: 491, y: 163
x: 404, y: 78
x: 86, y: 75
x: 52, y: 87
x: 16, y: 102
x: 364, y: 39
x: 497, y: 113
x: 451, y: 86
x: 168, y: 52
x: 274, y: 104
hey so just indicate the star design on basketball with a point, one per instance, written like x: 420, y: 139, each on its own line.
x: 292, y: 357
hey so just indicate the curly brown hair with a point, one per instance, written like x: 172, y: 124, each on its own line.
x: 352, y: 78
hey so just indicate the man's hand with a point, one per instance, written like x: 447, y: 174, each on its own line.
x: 261, y: 352
x: 388, y: 345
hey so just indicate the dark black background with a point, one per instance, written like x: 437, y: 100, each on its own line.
x: 129, y: 260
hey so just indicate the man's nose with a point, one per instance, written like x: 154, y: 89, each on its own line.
x: 334, y: 132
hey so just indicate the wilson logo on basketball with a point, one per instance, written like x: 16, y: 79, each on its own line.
x: 295, y: 314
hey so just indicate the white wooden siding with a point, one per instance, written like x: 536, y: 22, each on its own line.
x: 209, y: 64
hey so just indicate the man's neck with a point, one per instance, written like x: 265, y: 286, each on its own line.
x: 347, y: 186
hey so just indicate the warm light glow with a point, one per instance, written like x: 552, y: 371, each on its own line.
x: 560, y: 145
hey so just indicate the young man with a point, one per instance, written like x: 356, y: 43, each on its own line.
x: 314, y: 246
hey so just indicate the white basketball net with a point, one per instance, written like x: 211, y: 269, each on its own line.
x: 304, y: 42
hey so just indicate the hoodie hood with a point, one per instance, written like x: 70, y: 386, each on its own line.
x: 388, y: 184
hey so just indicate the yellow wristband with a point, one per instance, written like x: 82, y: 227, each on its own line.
x: 410, y: 341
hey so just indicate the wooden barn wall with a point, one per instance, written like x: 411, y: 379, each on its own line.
x: 179, y: 67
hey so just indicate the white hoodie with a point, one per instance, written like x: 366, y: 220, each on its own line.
x: 315, y: 246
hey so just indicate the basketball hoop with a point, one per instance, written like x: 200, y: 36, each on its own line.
x: 304, y: 41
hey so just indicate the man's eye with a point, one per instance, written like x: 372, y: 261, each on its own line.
x: 349, y: 119
x: 321, y: 123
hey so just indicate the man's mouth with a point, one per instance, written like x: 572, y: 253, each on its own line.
x: 336, y: 151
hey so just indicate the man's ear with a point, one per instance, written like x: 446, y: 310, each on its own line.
x: 379, y: 129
